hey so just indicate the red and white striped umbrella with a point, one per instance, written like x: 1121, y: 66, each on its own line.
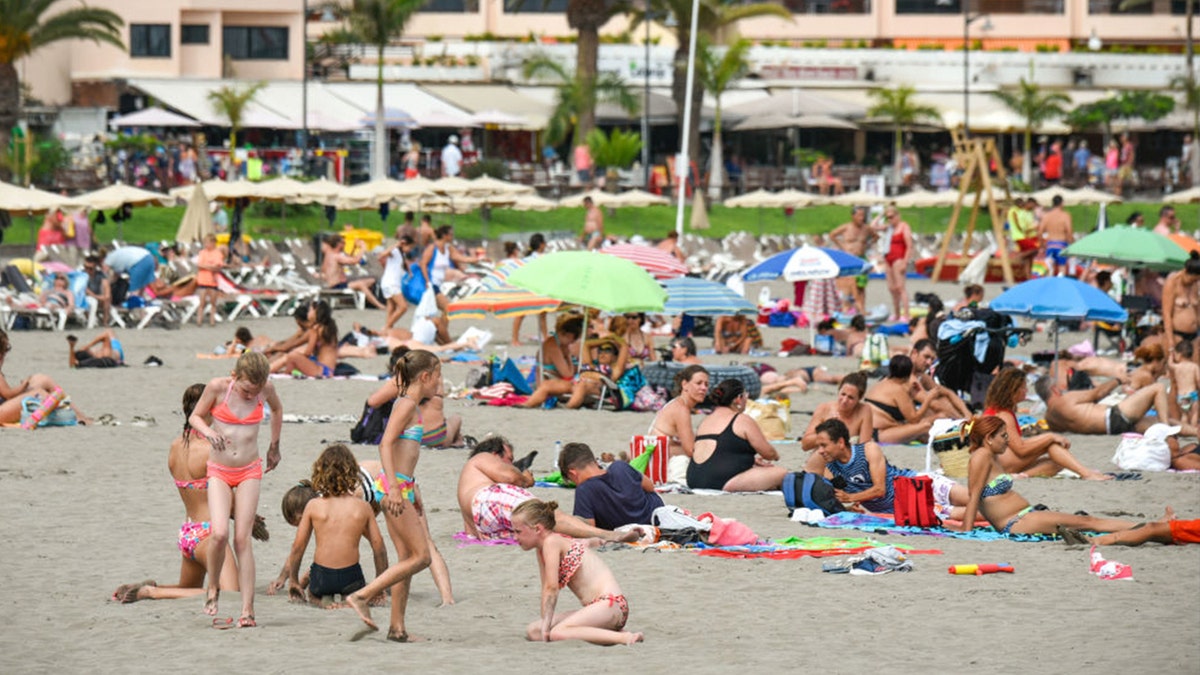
x: 659, y: 263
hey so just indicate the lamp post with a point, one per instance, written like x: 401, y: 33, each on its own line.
x: 681, y: 160
x: 969, y: 19
x: 646, y: 103
x: 304, y: 92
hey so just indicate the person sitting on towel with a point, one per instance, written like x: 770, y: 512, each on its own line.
x: 608, y: 499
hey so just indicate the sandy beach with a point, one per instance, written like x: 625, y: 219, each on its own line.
x: 86, y: 509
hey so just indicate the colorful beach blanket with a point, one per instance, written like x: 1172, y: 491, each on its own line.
x: 796, y: 547
x: 881, y: 525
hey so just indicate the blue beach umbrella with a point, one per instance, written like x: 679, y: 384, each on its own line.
x: 701, y: 297
x: 1060, y: 298
x: 805, y: 264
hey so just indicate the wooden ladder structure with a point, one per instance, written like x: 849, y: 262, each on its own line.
x: 975, y: 156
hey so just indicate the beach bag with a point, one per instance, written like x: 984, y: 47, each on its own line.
x: 427, y: 306
x: 659, y: 445
x: 675, y: 518
x: 649, y: 399
x: 412, y: 286
x: 804, y: 490
x: 1147, y: 452
x: 772, y: 417
x: 369, y: 430
x: 914, y: 501
x: 876, y: 349
x: 61, y: 416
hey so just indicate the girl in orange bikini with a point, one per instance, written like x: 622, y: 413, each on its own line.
x: 235, y: 405
x: 569, y: 563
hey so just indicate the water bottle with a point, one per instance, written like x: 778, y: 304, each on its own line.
x: 764, y: 296
x: 557, y: 450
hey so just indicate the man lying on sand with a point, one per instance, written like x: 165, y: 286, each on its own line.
x: 1080, y: 411
x: 490, y: 487
x: 609, y: 498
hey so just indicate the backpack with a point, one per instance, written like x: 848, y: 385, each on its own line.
x: 370, y: 427
x: 914, y: 501
x: 804, y: 490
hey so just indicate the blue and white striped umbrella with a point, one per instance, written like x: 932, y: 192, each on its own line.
x: 701, y: 297
x: 805, y: 264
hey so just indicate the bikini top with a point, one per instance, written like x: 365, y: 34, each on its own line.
x: 194, y: 484
x: 414, y: 433
x: 569, y: 565
x: 999, y: 485
x: 223, y: 414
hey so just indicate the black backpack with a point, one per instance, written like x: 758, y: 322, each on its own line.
x: 370, y: 427
x: 802, y: 489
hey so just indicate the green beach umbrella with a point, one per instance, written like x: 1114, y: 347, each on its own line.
x: 1130, y: 247
x: 587, y: 278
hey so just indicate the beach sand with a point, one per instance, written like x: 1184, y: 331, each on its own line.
x: 86, y: 509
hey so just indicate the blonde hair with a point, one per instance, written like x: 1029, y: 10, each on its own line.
x: 335, y: 473
x: 252, y: 367
x: 536, y: 512
x: 411, y: 365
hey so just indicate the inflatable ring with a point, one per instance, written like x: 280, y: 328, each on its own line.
x: 662, y: 374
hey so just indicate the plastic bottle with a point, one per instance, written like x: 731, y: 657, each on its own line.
x: 557, y: 450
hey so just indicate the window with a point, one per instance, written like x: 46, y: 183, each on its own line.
x: 454, y: 6
x: 193, y: 34
x: 248, y: 43
x: 535, y: 6
x: 150, y: 39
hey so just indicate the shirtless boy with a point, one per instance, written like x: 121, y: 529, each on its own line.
x: 593, y: 225
x: 1185, y: 379
x: 853, y: 238
x: 1080, y: 412
x: 490, y: 487
x: 1056, y: 233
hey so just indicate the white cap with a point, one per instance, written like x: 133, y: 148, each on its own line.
x: 453, y: 139
x: 1160, y: 432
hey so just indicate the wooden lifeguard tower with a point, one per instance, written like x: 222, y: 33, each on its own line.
x: 975, y: 155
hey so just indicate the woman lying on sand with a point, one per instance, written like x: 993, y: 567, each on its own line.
x: 104, y: 351
x: 991, y: 492
x: 35, y: 385
x: 187, y: 461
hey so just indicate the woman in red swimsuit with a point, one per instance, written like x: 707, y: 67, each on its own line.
x: 899, y: 251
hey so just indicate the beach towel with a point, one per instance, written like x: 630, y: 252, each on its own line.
x: 882, y: 525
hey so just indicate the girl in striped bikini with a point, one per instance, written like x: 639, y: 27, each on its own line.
x: 418, y: 375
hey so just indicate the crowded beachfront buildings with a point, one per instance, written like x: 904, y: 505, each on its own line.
x: 380, y: 355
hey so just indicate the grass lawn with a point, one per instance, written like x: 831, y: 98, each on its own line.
x: 265, y: 220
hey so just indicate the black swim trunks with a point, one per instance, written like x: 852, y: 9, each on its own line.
x: 1116, y: 423
x: 324, y: 582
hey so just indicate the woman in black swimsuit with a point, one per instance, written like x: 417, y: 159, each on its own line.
x: 730, y: 452
x: 897, y: 419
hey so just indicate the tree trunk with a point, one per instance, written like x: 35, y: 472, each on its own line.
x: 379, y: 168
x: 897, y: 161
x: 587, y: 54
x: 10, y: 106
x: 716, y: 170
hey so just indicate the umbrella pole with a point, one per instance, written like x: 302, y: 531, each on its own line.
x: 1054, y: 368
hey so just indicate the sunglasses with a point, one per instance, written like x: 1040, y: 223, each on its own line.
x: 607, y: 350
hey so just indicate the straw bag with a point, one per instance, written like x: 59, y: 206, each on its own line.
x: 772, y: 416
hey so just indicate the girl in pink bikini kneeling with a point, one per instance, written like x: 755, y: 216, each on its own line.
x: 569, y: 563
x: 235, y: 405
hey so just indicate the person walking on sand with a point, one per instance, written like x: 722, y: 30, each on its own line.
x: 235, y: 405
x: 570, y: 563
x: 418, y: 374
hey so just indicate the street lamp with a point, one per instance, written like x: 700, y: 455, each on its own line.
x: 968, y: 19
x: 649, y: 16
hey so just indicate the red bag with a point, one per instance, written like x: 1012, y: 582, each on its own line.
x: 657, y: 470
x: 914, y: 501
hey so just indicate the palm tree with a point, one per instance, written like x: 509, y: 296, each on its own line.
x: 24, y: 29
x: 1036, y: 107
x: 587, y: 17
x: 231, y: 102
x: 715, y: 16
x: 573, y: 92
x: 716, y: 74
x: 898, y: 106
x: 378, y: 22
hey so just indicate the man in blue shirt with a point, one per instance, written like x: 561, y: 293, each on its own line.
x: 607, y: 499
x: 1081, y: 159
